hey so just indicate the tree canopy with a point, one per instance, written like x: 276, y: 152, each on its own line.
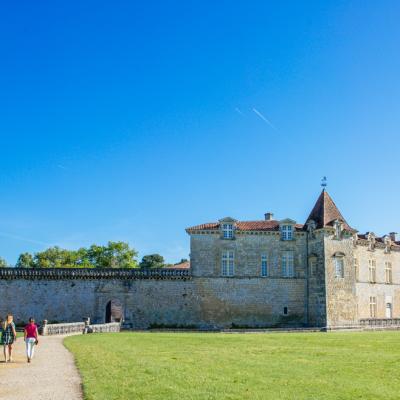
x: 113, y: 255
x: 3, y: 263
x: 152, y: 261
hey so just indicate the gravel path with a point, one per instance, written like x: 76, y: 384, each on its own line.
x: 51, y: 375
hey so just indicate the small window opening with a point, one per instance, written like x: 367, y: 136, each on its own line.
x: 285, y: 311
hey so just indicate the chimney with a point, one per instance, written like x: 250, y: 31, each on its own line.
x: 393, y: 236
x: 269, y: 216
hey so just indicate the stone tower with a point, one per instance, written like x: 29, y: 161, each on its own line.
x: 332, y: 300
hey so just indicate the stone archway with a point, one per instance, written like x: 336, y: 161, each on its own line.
x: 114, y: 311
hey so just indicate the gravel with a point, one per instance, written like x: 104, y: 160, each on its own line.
x: 51, y: 375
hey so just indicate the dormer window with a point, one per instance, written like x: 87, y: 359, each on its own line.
x: 287, y: 232
x: 227, y: 228
x: 227, y: 231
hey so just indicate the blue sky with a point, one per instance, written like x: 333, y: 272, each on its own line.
x: 133, y: 120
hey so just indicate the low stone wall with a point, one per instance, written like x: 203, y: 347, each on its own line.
x: 380, y: 323
x: 104, y: 328
x: 78, y: 327
x: 61, y: 329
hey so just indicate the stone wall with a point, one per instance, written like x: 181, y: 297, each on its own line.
x: 77, y: 327
x: 316, y: 289
x: 341, y: 299
x: 206, y: 251
x: 384, y: 292
x: 166, y: 301
x: 61, y: 329
x: 111, y: 327
x: 204, y: 299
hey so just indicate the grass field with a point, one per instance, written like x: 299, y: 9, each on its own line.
x: 185, y: 366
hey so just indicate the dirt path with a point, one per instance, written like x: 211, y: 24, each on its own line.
x: 52, y: 374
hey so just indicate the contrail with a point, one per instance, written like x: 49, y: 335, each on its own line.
x: 238, y: 111
x: 24, y: 239
x: 263, y: 118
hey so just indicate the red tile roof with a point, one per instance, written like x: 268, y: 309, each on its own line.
x: 243, y: 226
x: 182, y: 265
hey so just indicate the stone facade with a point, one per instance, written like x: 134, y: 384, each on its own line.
x: 248, y: 274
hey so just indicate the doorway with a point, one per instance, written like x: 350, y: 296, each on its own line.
x: 114, y: 311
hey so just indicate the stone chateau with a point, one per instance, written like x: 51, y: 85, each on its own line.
x: 267, y: 273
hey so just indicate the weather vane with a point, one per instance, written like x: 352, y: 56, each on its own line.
x: 324, y: 182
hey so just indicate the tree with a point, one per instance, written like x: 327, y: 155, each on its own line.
x: 54, y: 257
x: 25, y: 260
x: 3, y: 263
x: 152, y: 261
x: 114, y: 255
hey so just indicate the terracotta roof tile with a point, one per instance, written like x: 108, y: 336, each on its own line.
x: 182, y: 265
x: 244, y: 226
x: 325, y: 212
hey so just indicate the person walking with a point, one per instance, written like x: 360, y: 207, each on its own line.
x: 9, y: 336
x: 31, y: 338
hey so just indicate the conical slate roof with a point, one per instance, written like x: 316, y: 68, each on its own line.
x: 325, y: 212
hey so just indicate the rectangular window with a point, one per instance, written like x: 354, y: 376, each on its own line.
x: 339, y: 267
x: 313, y: 266
x: 287, y: 232
x: 388, y: 310
x: 388, y: 272
x: 264, y: 265
x: 227, y: 231
x: 285, y: 311
x: 288, y: 264
x: 372, y: 307
x: 356, y: 269
x: 227, y: 263
x: 372, y: 270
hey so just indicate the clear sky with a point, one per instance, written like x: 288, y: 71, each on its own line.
x: 130, y: 120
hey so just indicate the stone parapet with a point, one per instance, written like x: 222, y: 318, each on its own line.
x: 380, y: 323
x: 92, y: 273
x: 61, y: 329
x: 104, y: 328
x: 77, y: 327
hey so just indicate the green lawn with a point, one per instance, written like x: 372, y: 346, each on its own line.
x: 185, y: 366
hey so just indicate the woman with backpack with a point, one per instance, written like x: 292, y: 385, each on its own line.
x: 9, y: 336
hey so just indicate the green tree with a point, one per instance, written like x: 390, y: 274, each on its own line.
x: 114, y: 255
x: 152, y: 261
x: 53, y: 257
x: 25, y: 260
x: 3, y: 263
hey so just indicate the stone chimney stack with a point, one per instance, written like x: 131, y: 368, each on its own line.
x: 393, y: 236
x: 269, y: 216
